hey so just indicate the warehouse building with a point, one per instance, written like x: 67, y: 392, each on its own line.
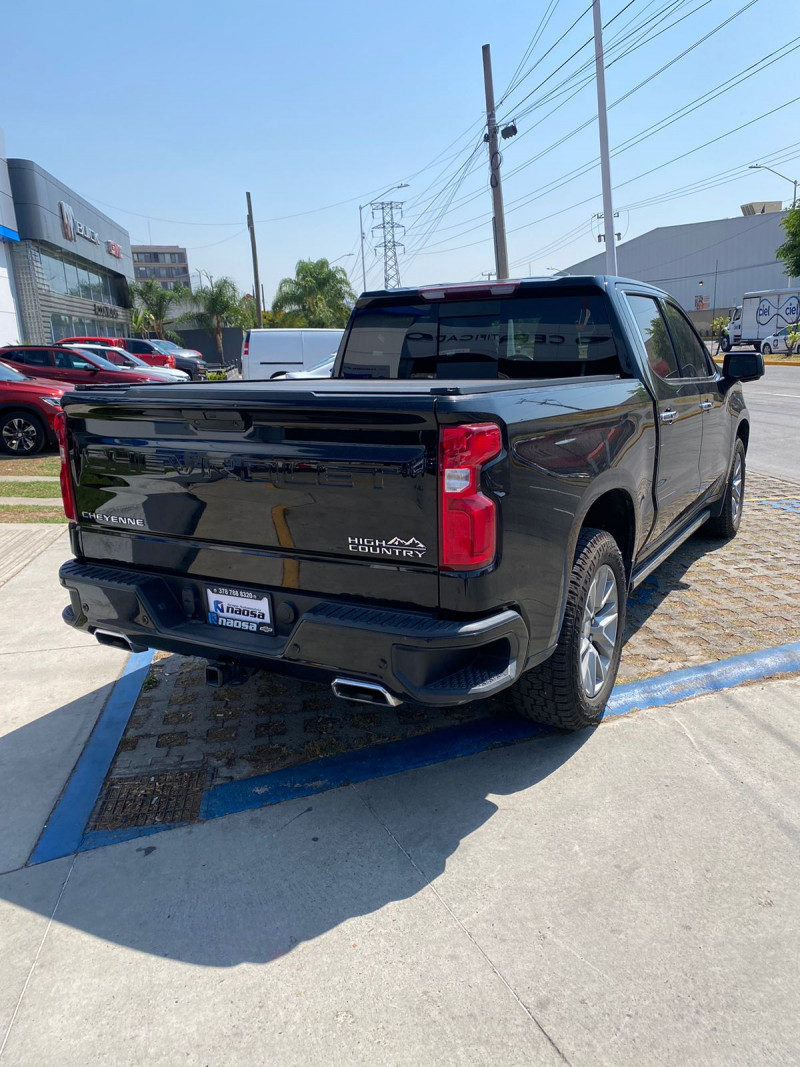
x: 706, y: 266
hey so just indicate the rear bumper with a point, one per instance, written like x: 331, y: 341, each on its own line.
x: 414, y: 656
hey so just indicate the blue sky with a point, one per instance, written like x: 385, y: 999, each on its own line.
x: 160, y: 111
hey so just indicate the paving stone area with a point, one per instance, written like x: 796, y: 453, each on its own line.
x: 711, y: 600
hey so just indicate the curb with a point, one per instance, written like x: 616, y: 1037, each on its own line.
x: 65, y: 830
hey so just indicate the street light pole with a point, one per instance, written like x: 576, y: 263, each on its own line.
x: 762, y: 166
x: 402, y: 185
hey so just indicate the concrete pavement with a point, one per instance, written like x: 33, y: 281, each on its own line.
x: 626, y: 895
x: 55, y: 680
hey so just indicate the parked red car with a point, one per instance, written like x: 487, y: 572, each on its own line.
x: 149, y: 353
x: 28, y: 407
x: 76, y: 366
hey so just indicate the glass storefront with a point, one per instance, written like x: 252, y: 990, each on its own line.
x: 77, y: 326
x: 65, y: 276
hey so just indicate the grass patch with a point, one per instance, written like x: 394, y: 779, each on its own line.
x: 42, y: 466
x: 37, y: 490
x: 20, y: 513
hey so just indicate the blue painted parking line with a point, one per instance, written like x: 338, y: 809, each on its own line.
x: 708, y: 678
x: 365, y: 764
x: 65, y: 828
x: 65, y: 832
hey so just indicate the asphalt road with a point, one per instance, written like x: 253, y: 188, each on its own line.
x: 774, y: 404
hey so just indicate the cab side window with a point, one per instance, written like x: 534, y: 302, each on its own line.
x: 38, y: 357
x: 657, y: 342
x: 71, y: 361
x: 692, y: 353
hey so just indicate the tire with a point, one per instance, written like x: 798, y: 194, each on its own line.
x: 726, y: 524
x: 766, y: 350
x: 21, y: 433
x: 725, y: 343
x: 556, y: 692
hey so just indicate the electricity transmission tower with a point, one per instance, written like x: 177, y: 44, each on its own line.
x: 387, y: 214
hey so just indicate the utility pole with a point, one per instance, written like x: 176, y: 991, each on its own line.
x: 389, y: 213
x: 602, y: 122
x: 361, y: 235
x: 256, y: 285
x: 499, y: 218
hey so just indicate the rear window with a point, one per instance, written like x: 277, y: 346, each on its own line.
x: 550, y: 335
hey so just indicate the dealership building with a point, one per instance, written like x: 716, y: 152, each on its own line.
x: 70, y: 264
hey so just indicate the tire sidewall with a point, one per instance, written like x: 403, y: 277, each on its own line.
x: 602, y: 549
x: 35, y: 421
x: 766, y: 350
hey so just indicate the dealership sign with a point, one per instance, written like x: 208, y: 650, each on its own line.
x: 114, y: 249
x: 73, y: 229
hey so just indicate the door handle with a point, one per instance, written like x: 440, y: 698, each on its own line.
x: 706, y: 405
x: 668, y: 416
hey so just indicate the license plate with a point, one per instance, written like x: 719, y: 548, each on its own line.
x: 239, y: 609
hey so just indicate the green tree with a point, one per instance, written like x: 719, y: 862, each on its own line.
x: 319, y: 295
x: 218, y: 304
x: 141, y: 321
x: 148, y: 296
x: 792, y: 342
x: 789, y: 251
x: 717, y: 326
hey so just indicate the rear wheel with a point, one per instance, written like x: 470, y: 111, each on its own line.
x: 21, y: 433
x: 766, y: 350
x: 726, y: 524
x: 570, y: 690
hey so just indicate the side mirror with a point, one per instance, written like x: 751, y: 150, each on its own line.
x: 743, y: 366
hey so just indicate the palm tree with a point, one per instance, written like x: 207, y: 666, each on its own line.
x: 218, y: 304
x: 141, y: 321
x: 149, y: 297
x: 319, y: 295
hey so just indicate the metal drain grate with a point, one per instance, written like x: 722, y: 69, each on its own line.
x: 149, y: 800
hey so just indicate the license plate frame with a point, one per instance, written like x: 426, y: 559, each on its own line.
x: 235, y: 607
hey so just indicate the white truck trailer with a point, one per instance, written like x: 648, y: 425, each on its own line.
x: 759, y: 315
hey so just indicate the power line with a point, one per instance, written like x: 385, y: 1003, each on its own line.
x: 650, y: 131
x: 629, y: 181
x: 589, y: 121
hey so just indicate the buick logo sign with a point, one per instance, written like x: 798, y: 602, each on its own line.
x: 74, y: 229
x: 67, y: 220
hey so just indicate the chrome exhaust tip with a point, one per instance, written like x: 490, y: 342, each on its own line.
x: 364, y: 693
x: 114, y: 640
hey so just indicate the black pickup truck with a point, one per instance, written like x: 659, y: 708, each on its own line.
x: 460, y: 510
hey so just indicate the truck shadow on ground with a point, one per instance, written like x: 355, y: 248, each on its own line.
x: 251, y: 887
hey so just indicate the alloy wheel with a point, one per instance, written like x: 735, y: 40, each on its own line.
x: 599, y: 630
x: 19, y: 435
x: 737, y: 488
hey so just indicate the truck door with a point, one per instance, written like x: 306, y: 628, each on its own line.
x: 698, y: 370
x: 679, y: 416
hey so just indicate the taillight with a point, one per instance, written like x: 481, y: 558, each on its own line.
x: 170, y: 361
x: 67, y: 492
x: 467, y: 517
x: 245, y: 349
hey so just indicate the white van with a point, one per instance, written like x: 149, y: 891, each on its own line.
x: 266, y: 353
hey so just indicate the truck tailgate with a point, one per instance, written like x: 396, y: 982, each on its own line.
x: 279, y: 487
